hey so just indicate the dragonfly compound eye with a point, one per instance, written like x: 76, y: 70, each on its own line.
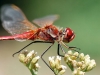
x: 69, y: 35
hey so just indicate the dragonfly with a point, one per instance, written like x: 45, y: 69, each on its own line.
x: 21, y: 29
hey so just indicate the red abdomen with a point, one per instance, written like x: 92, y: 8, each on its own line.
x: 25, y: 36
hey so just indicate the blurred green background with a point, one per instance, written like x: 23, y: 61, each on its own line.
x: 83, y: 16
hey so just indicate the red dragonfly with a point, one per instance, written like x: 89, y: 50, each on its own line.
x: 15, y: 22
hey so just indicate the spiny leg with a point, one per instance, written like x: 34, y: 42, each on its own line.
x: 58, y: 50
x: 74, y: 49
x: 71, y: 48
x: 29, y: 45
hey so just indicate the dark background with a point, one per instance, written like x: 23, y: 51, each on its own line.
x: 83, y: 16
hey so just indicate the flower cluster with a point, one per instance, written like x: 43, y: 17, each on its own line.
x: 29, y: 59
x: 56, y: 66
x: 79, y: 63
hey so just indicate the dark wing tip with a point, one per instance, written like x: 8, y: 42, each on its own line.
x: 10, y: 12
x: 3, y: 9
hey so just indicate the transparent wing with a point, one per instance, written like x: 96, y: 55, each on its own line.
x: 46, y: 20
x: 14, y: 21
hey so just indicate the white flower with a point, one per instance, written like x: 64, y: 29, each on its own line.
x: 74, y: 62
x: 87, y: 62
x: 52, y: 62
x: 81, y: 73
x: 91, y: 65
x: 93, y: 62
x: 51, y: 58
x: 30, y: 53
x: 63, y: 67
x: 21, y: 58
x: 70, y: 52
x: 58, y: 58
x: 30, y: 60
x: 80, y: 63
x: 56, y: 66
x: 62, y: 72
x: 37, y: 65
x: 76, y: 54
x: 57, y: 61
x: 74, y: 72
x: 78, y: 72
x: 35, y: 59
x: 81, y: 56
x: 87, y: 57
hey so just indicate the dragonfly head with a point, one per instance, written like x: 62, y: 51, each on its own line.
x: 68, y: 35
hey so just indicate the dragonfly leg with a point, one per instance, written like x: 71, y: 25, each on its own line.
x: 58, y: 50
x: 29, y: 45
x: 71, y: 48
x: 74, y: 49
x: 43, y: 55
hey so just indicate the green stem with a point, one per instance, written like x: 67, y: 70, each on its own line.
x: 32, y: 72
x: 55, y: 71
x: 70, y: 66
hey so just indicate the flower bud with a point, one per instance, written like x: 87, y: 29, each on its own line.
x: 73, y: 57
x: 35, y: 59
x: 79, y: 64
x: 70, y: 52
x: 56, y: 66
x: 81, y: 56
x: 52, y: 62
x: 62, y: 67
x: 57, y: 61
x: 76, y: 54
x: 66, y: 57
x: 78, y: 72
x: 81, y: 73
x: 21, y: 58
x: 29, y: 59
x: 37, y: 65
x: 91, y: 65
x: 74, y: 63
x: 62, y: 72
